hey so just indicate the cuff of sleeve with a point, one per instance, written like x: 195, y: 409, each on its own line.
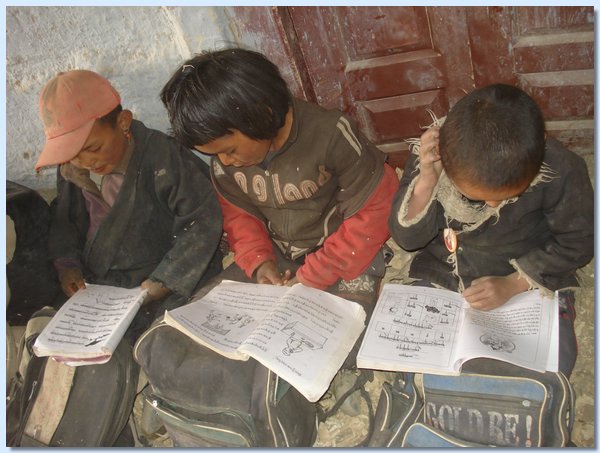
x: 404, y: 205
x: 532, y: 283
x: 312, y: 282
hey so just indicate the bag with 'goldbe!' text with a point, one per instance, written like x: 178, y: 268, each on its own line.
x: 501, y: 404
x: 492, y: 403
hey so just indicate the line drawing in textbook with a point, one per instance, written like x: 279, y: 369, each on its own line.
x: 417, y: 320
x: 300, y: 336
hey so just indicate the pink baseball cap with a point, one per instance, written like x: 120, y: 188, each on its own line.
x: 69, y: 105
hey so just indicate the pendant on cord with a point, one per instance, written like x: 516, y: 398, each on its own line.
x: 450, y: 239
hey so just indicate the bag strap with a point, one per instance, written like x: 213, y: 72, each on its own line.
x: 34, y: 327
x: 400, y: 405
x: 24, y: 394
x: 50, y: 403
x: 30, y: 374
x: 359, y: 385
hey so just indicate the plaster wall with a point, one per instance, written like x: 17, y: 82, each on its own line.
x: 136, y: 48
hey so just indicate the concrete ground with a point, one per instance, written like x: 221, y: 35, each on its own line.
x: 583, y: 378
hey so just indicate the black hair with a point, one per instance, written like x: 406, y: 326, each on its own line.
x: 493, y: 137
x: 215, y: 92
x: 111, y: 117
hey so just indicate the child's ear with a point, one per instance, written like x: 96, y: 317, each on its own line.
x: 124, y: 120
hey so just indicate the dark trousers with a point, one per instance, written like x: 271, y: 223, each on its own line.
x: 567, y: 342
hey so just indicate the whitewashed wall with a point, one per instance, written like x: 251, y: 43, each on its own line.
x: 136, y: 48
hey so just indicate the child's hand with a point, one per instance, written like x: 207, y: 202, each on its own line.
x: 429, y: 154
x: 487, y: 293
x: 268, y: 274
x: 430, y: 169
x: 290, y: 281
x: 156, y: 291
x: 71, y: 281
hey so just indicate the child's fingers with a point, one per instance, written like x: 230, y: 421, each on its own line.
x: 434, y: 153
x: 429, y: 150
x: 287, y: 276
x: 432, y: 131
x: 430, y: 154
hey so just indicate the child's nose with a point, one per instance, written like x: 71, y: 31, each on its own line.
x: 226, y: 159
x: 493, y: 204
x: 83, y: 162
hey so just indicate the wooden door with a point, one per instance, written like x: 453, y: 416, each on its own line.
x: 387, y: 66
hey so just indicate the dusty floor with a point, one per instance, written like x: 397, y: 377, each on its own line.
x: 583, y: 378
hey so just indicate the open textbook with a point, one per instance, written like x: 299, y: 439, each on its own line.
x: 435, y: 331
x: 300, y: 333
x: 87, y: 329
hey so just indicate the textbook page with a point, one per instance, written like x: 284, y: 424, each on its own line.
x: 90, y: 325
x: 224, y: 317
x: 306, y: 338
x: 553, y: 352
x: 520, y: 331
x: 413, y: 328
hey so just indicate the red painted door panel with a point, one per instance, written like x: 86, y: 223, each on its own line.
x: 377, y: 64
x: 387, y: 66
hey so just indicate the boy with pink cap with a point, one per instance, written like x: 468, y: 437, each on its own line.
x: 151, y: 220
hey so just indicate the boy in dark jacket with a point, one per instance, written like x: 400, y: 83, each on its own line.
x: 152, y: 220
x: 305, y: 196
x: 494, y: 208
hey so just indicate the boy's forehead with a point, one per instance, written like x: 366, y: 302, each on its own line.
x: 480, y: 192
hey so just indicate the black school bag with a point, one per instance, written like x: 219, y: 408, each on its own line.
x: 56, y: 405
x: 206, y: 400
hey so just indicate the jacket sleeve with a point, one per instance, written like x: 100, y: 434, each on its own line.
x: 348, y: 251
x: 569, y: 211
x: 418, y: 232
x: 247, y: 236
x: 69, y: 222
x: 185, y: 190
